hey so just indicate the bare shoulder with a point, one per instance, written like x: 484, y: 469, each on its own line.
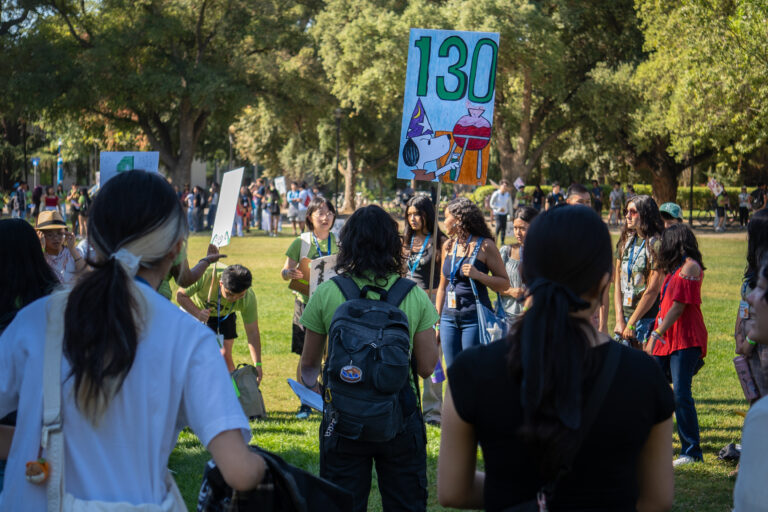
x: 691, y: 269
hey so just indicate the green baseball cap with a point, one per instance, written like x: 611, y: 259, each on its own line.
x: 672, y: 209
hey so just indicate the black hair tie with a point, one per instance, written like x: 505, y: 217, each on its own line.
x: 574, y: 301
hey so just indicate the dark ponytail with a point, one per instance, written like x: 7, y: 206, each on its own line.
x: 138, y: 212
x: 567, y: 254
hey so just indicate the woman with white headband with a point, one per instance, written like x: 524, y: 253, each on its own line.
x: 106, y: 374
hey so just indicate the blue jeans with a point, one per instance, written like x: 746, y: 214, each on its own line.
x: 643, y: 328
x: 458, y: 331
x: 681, y: 364
x: 211, y: 215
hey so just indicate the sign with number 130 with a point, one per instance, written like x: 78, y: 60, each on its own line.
x: 450, y: 87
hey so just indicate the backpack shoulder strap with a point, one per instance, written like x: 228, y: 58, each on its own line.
x: 347, y: 286
x: 398, y: 291
x: 306, y: 244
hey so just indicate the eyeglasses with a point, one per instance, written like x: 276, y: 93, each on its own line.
x: 630, y: 213
x: 322, y: 213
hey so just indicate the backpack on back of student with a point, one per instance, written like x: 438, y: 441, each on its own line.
x: 366, y: 375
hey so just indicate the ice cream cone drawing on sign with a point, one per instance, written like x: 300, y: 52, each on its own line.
x: 423, y: 147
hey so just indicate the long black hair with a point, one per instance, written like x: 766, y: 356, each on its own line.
x: 567, y: 255
x: 426, y: 209
x: 651, y: 223
x: 757, y: 243
x: 677, y: 243
x: 25, y: 275
x: 370, y: 245
x: 471, y: 220
x: 139, y: 212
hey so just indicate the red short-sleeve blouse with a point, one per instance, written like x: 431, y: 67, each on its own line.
x: 689, y: 331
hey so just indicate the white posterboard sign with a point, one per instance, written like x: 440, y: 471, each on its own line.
x: 306, y: 395
x: 320, y: 271
x: 715, y: 187
x: 225, y: 213
x: 280, y: 185
x: 519, y: 184
x: 113, y: 162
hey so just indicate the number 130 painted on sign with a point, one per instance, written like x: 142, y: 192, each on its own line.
x: 424, y: 44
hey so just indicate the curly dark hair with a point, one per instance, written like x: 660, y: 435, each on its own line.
x: 471, y: 220
x: 650, y: 220
x: 370, y: 245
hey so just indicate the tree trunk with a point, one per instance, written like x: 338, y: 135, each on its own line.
x: 350, y: 179
x: 664, y: 179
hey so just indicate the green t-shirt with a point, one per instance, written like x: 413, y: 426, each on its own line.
x: 323, y: 303
x: 198, y: 292
x: 165, y: 287
x: 310, y: 251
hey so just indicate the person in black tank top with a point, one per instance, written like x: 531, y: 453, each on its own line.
x: 466, y: 227
x: 418, y: 249
x: 532, y: 401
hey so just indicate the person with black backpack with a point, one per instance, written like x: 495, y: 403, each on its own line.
x: 380, y: 331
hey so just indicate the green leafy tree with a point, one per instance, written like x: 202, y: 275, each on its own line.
x: 170, y: 68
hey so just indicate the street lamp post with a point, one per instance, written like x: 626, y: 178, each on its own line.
x: 337, y: 114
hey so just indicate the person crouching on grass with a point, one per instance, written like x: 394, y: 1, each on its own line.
x: 217, y: 308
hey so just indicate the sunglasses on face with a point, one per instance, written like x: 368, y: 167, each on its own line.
x: 630, y: 212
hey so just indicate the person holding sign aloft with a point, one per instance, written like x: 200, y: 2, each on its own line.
x: 317, y: 242
x: 419, y: 249
x: 470, y: 253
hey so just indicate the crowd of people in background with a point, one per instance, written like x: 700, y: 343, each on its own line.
x: 571, y: 386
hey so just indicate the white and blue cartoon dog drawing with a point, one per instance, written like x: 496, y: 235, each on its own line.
x: 423, y: 147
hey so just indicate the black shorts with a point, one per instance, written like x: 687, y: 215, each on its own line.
x: 227, y: 327
x: 298, y: 332
x: 720, y: 210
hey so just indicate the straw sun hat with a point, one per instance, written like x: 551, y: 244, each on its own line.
x: 50, y: 219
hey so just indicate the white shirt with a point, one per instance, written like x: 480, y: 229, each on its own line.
x: 178, y: 378
x: 500, y: 203
x: 751, y: 493
x: 303, y: 196
x: 63, y: 264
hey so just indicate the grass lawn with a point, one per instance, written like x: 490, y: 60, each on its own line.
x: 699, y: 487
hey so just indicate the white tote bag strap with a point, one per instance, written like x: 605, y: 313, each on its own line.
x: 52, y: 439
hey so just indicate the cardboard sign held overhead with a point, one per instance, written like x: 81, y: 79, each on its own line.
x: 450, y: 86
x: 225, y: 213
x: 113, y: 162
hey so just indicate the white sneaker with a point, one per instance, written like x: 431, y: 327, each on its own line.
x: 683, y: 460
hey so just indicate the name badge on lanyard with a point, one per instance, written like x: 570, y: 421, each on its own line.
x: 451, y: 292
x: 628, y: 292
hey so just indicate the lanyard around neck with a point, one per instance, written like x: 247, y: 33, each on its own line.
x: 454, y: 268
x: 412, y: 268
x: 632, y: 258
x: 317, y: 245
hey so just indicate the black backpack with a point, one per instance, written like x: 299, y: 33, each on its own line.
x: 367, y: 390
